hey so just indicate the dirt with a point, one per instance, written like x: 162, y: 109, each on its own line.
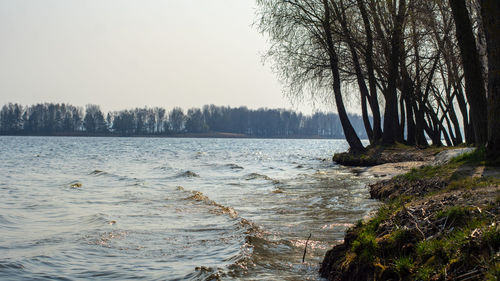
x: 378, y: 155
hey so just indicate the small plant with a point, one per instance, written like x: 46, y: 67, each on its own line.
x: 455, y: 215
x: 432, y: 251
x: 365, y: 246
x: 493, y: 273
x: 492, y: 237
x: 403, y: 266
x: 401, y: 237
x: 424, y: 273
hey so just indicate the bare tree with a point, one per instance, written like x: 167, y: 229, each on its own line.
x: 305, y: 52
x: 490, y: 11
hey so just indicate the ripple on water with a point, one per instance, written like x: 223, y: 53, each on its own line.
x: 240, y: 223
x: 187, y: 174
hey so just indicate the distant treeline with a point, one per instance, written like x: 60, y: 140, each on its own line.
x: 65, y: 119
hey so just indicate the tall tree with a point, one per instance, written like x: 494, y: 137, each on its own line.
x: 350, y: 134
x: 305, y: 52
x: 474, y: 83
x: 490, y: 11
x: 391, y: 123
x: 176, y: 119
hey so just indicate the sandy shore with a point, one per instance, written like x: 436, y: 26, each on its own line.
x: 389, y: 170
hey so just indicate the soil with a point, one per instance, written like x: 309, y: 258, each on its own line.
x: 377, y: 155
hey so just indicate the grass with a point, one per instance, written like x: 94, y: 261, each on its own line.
x: 403, y: 266
x: 365, y: 247
x: 472, y: 183
x: 456, y: 215
x: 467, y: 237
x: 427, y: 172
x: 476, y: 157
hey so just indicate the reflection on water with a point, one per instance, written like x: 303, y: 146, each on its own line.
x: 172, y: 209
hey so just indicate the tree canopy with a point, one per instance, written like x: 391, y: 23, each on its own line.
x: 421, y: 69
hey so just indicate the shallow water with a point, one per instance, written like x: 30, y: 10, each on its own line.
x: 172, y: 209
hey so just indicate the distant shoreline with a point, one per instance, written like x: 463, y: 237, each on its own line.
x: 217, y: 135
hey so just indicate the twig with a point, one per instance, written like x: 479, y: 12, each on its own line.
x: 414, y: 221
x: 305, y: 248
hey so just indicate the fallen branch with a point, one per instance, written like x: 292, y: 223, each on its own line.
x: 305, y: 248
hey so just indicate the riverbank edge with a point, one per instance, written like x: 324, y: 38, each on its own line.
x: 437, y: 222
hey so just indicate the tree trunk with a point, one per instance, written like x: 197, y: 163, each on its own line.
x: 490, y: 11
x: 372, y: 82
x: 474, y: 84
x: 402, y: 115
x: 411, y: 140
x: 340, y: 15
x: 420, y: 126
x: 391, y: 122
x: 349, y: 132
x: 468, y: 130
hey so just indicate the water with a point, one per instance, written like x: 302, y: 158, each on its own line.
x: 172, y: 209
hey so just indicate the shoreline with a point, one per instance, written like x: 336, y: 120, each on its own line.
x: 215, y: 135
x: 434, y: 216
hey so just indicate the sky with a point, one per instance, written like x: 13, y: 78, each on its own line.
x: 132, y: 53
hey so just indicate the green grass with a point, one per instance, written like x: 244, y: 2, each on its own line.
x: 424, y: 273
x: 476, y: 157
x: 424, y: 172
x: 493, y: 273
x: 492, y: 237
x: 455, y: 215
x: 469, y: 236
x: 403, y: 266
x: 425, y: 259
x: 432, y: 251
x: 365, y: 246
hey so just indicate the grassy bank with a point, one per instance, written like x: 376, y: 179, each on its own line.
x: 437, y: 223
x: 380, y: 154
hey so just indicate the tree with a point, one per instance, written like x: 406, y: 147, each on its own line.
x: 176, y: 119
x: 94, y: 119
x: 195, y: 123
x: 474, y: 84
x: 305, y: 53
x: 490, y: 11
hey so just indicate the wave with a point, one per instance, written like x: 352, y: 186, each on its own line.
x: 239, y: 263
x: 105, y: 238
x: 8, y: 266
x: 219, y: 209
x: 187, y: 174
x: 256, y: 176
x: 98, y: 173
x: 206, y: 273
x: 234, y: 166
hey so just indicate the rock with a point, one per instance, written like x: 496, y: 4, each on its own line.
x: 445, y: 156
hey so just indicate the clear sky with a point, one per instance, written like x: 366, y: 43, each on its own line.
x: 132, y: 53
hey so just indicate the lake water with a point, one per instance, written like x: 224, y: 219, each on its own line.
x: 172, y: 209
